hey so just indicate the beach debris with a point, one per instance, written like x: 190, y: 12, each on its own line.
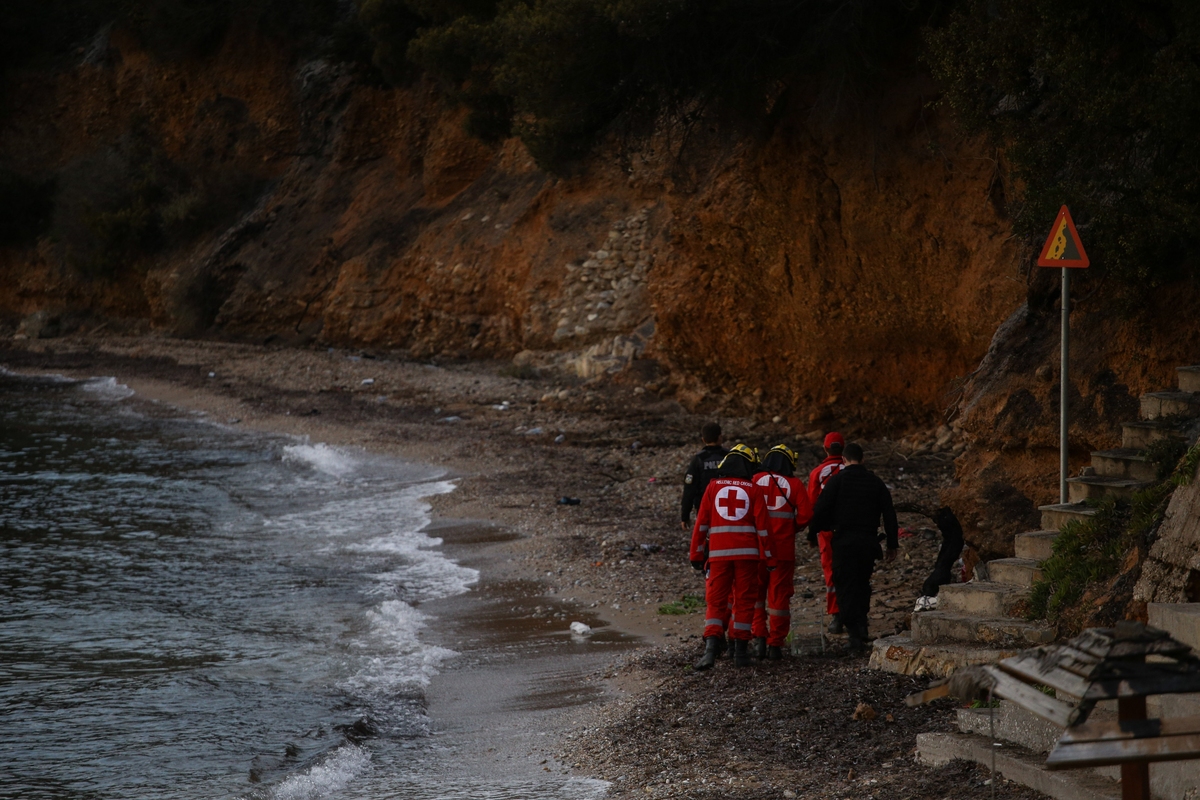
x: 652, y: 480
x: 635, y: 447
x: 501, y: 406
x: 581, y: 629
x: 650, y: 548
x: 569, y: 501
x: 534, y: 432
x: 454, y: 418
x: 560, y: 438
x: 864, y: 711
x: 212, y: 374
x: 926, y: 603
x: 368, y: 381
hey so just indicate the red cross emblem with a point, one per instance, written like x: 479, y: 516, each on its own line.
x: 782, y: 493
x: 732, y: 503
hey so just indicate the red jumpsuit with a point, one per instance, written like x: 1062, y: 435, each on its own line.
x: 731, y: 535
x: 788, y: 509
x: 817, y: 479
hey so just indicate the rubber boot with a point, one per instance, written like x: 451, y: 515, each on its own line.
x: 858, y: 639
x: 774, y: 653
x: 722, y: 645
x: 741, y: 653
x: 758, y: 647
x: 711, y: 647
x: 836, y: 626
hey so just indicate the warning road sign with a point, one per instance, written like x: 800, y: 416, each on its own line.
x: 1063, y: 248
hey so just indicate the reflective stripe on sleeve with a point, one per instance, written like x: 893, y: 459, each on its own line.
x: 736, y: 551
x: 732, y: 529
x: 718, y: 622
x: 741, y: 626
x: 778, y: 612
x: 782, y: 514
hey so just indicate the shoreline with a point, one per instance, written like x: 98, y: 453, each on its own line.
x: 514, y: 446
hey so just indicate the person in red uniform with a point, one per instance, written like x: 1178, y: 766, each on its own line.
x: 832, y: 465
x: 730, y: 537
x: 788, y: 510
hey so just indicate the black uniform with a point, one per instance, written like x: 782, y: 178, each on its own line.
x: 851, y: 506
x: 702, y: 469
x: 952, y: 545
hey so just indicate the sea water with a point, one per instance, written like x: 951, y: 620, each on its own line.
x: 191, y: 611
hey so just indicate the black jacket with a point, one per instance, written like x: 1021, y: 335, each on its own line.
x: 700, y: 471
x: 852, y: 502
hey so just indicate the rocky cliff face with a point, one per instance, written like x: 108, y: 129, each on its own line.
x: 847, y: 271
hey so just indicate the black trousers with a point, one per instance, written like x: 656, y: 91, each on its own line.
x: 854, y: 556
x: 943, y: 567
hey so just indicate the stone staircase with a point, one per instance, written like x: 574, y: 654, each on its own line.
x: 972, y: 623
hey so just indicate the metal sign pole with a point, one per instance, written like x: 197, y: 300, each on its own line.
x: 1062, y: 381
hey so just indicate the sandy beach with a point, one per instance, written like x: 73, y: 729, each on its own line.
x: 622, y: 705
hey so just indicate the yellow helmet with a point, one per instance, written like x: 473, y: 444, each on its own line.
x: 742, y: 451
x: 786, y: 452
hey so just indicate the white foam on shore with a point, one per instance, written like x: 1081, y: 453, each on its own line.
x: 107, y: 388
x: 325, y: 779
x: 323, y: 458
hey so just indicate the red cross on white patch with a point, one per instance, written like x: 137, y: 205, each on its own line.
x: 732, y: 503
x: 782, y: 493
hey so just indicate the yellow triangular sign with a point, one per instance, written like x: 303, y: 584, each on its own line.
x: 1063, y: 248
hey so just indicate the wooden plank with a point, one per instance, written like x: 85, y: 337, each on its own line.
x: 1141, y: 687
x: 1123, y: 751
x: 1165, y: 647
x: 1092, y: 642
x: 932, y: 693
x: 1029, y: 698
x: 1030, y: 668
x: 1131, y: 729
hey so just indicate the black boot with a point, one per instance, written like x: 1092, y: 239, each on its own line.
x: 836, y: 626
x: 774, y: 653
x: 722, y: 645
x: 758, y: 647
x: 858, y: 639
x: 711, y: 648
x: 741, y: 654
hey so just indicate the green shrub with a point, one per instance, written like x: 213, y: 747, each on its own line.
x: 560, y: 72
x: 1090, y: 551
x: 687, y: 604
x: 1096, y: 105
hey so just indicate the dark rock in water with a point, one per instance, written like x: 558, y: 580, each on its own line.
x: 360, y: 731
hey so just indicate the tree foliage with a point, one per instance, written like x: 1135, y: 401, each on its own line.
x: 1097, y: 105
x: 558, y: 72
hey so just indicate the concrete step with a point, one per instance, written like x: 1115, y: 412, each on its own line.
x: 1015, y: 571
x: 1059, y: 514
x: 1010, y: 723
x: 1035, y: 545
x: 1181, y: 620
x: 1140, y: 435
x: 1158, y: 405
x: 934, y: 627
x: 1097, y: 487
x: 900, y: 654
x: 1188, y: 378
x: 981, y: 598
x: 1016, y: 764
x: 1124, y: 462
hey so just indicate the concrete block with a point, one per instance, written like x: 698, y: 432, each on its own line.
x: 1124, y: 462
x: 1181, y: 620
x: 1014, y: 571
x: 1017, y: 764
x: 1035, y: 545
x: 1157, y: 405
x: 900, y: 654
x: 1012, y: 724
x: 1140, y: 435
x: 1059, y: 514
x: 1096, y: 487
x: 1188, y: 378
x: 935, y: 627
x: 981, y: 598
